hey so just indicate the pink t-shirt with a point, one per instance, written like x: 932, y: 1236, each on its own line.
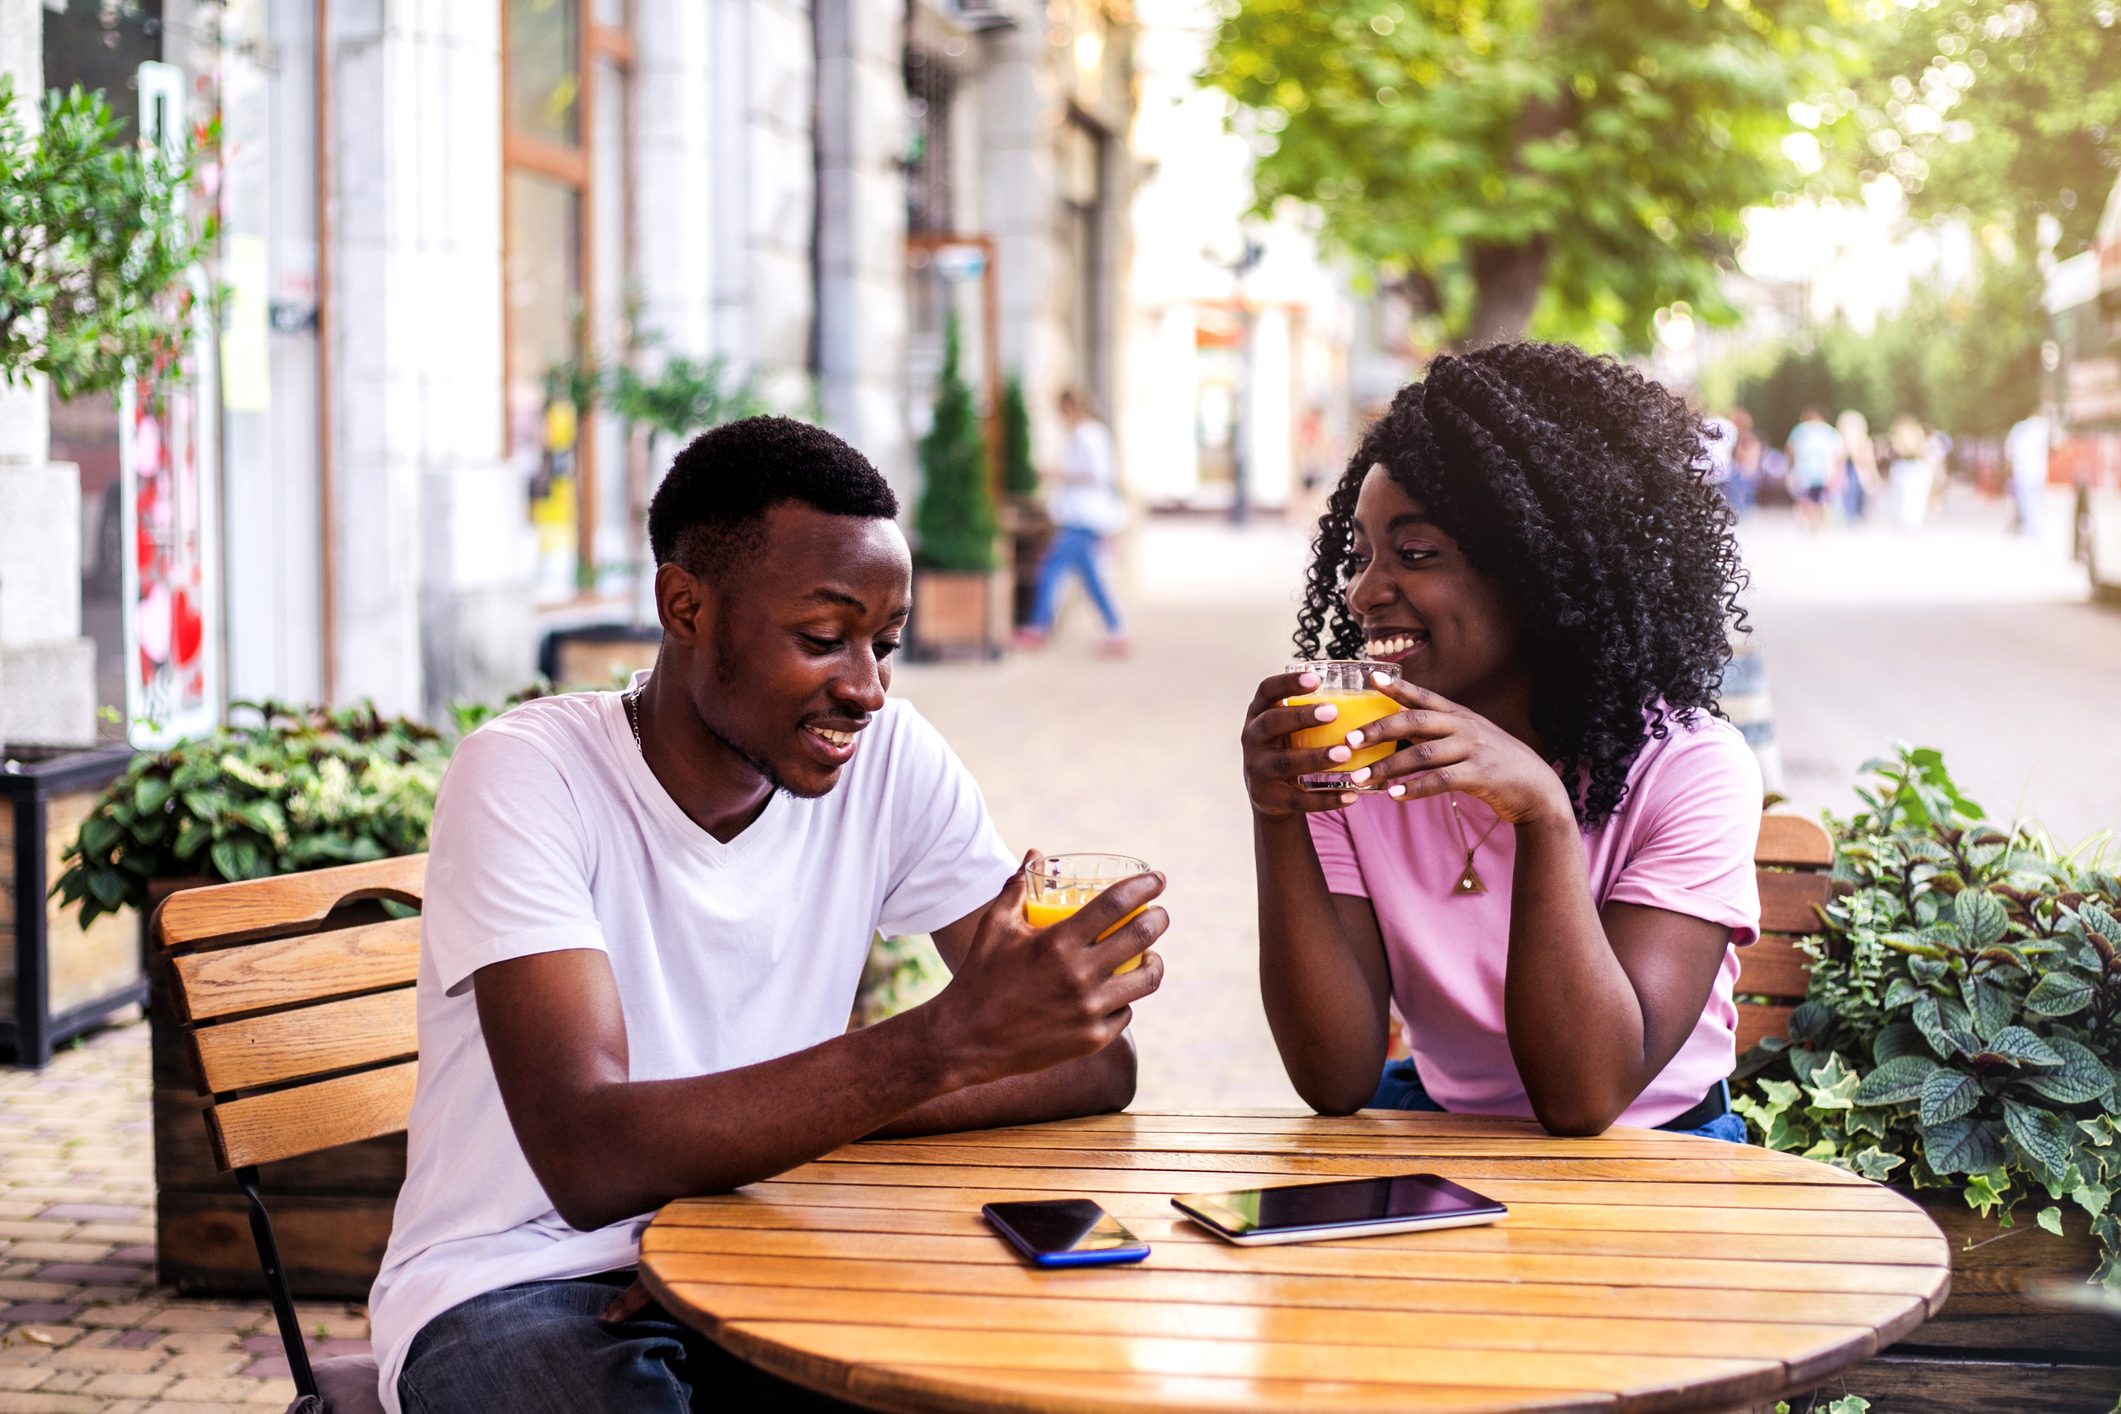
x: 1683, y: 840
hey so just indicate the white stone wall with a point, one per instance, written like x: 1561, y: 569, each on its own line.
x: 47, y: 669
x: 861, y: 310
x: 673, y: 159
x: 434, y: 553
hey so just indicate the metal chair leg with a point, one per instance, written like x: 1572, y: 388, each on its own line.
x: 283, y: 1301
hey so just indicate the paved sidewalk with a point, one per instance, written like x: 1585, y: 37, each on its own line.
x: 82, y: 1325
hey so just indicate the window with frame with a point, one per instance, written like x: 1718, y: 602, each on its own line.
x: 567, y: 240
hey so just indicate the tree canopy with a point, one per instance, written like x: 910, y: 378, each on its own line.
x: 2001, y: 110
x: 1558, y: 167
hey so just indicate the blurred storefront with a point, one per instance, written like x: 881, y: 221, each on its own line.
x: 439, y: 222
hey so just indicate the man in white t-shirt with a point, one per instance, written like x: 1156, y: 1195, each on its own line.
x: 646, y: 918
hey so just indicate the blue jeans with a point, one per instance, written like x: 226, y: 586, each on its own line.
x: 1074, y: 549
x: 541, y: 1348
x: 1400, y: 1088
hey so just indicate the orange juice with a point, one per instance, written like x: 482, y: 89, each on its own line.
x: 1061, y: 901
x: 1358, y: 708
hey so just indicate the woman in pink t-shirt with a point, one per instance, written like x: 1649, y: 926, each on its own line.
x: 1553, y: 886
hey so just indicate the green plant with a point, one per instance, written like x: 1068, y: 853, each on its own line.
x: 1964, y: 1015
x: 956, y: 522
x: 1019, y: 477
x: 682, y: 397
x: 95, y: 252
x: 900, y: 973
x: 296, y: 788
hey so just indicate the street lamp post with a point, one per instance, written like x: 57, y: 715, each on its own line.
x: 1241, y: 436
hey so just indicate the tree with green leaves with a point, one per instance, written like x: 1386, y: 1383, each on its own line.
x: 96, y: 254
x: 956, y: 524
x: 1019, y: 477
x: 1998, y: 110
x: 1558, y: 167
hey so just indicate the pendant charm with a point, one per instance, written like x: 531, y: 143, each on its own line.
x: 1469, y: 881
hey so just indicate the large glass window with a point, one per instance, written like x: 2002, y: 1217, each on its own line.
x: 569, y: 246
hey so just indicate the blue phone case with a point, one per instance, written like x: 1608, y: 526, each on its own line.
x: 1106, y: 1257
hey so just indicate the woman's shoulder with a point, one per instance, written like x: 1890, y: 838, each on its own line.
x: 1698, y: 754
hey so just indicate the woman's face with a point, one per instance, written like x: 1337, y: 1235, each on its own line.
x: 1451, y: 628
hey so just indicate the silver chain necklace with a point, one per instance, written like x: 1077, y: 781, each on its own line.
x: 632, y: 698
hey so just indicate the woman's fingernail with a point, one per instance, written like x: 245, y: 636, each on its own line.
x: 1396, y: 792
x: 1309, y: 680
x: 1347, y: 797
x: 1339, y: 753
x: 1326, y: 712
x: 1360, y: 776
x: 1355, y: 738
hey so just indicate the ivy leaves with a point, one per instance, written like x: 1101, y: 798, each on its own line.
x: 1964, y: 1012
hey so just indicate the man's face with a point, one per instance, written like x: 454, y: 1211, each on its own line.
x: 795, y: 659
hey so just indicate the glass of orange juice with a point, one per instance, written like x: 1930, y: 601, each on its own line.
x: 1347, y: 684
x: 1063, y: 883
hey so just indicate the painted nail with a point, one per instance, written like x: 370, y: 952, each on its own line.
x: 1347, y: 797
x: 1308, y: 680
x: 1396, y: 792
x: 1355, y: 738
x: 1339, y: 753
x: 1360, y: 776
x: 1326, y: 712
x: 1380, y: 680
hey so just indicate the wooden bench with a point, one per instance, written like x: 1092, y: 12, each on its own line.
x: 296, y: 1009
x: 1793, y: 857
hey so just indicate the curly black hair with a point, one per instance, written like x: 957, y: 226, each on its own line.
x: 708, y: 515
x: 1577, y: 484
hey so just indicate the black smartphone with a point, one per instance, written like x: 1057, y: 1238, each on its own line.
x: 1065, y: 1232
x: 1353, y: 1207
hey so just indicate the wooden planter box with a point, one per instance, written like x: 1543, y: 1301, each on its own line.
x: 961, y: 614
x: 330, y: 1210
x: 57, y: 979
x: 1030, y: 531
x: 1996, y: 1345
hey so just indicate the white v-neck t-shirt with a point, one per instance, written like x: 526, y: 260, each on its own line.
x: 551, y: 833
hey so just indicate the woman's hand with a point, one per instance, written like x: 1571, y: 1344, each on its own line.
x: 1272, y: 762
x: 1452, y: 749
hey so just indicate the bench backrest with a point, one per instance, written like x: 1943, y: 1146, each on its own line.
x: 302, y: 1035
x: 1793, y: 857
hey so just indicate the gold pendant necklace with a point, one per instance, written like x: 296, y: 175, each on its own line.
x: 1469, y: 880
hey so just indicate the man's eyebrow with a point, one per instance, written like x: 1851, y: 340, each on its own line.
x: 843, y: 599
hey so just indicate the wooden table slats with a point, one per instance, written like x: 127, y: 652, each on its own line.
x: 1636, y: 1271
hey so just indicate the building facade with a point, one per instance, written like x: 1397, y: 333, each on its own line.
x: 439, y: 217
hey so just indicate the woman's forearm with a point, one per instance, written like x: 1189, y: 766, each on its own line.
x: 1574, y: 1021
x: 1326, y: 1013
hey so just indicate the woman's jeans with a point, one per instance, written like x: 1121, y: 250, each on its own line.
x: 1400, y: 1088
x: 1074, y: 550
x: 543, y: 1348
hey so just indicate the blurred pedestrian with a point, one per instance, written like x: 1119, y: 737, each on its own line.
x: 1912, y: 474
x: 2025, y: 448
x: 1086, y: 508
x: 1859, y: 484
x: 1816, y: 453
x: 1748, y: 454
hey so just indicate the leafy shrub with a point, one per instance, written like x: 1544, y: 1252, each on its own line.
x: 1964, y: 1015
x: 956, y: 521
x: 296, y: 788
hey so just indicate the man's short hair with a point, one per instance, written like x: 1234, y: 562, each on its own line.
x: 709, y: 513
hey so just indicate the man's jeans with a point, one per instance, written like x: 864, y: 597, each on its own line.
x: 1400, y: 1088
x: 541, y: 1348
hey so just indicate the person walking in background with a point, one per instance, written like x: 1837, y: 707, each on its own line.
x: 1859, y: 484
x: 2025, y: 449
x: 1747, y: 453
x: 1911, y: 476
x: 1086, y: 508
x: 1816, y: 453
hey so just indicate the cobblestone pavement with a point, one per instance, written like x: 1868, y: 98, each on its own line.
x: 1962, y: 639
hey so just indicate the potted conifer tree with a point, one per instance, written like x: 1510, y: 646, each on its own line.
x: 961, y: 589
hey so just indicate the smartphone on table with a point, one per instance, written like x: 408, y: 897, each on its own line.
x: 1352, y: 1207
x: 1065, y: 1232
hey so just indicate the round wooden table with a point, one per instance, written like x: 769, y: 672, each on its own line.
x: 1637, y: 1270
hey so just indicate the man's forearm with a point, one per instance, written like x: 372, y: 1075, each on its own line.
x: 1097, y: 1084
x: 639, y: 1144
